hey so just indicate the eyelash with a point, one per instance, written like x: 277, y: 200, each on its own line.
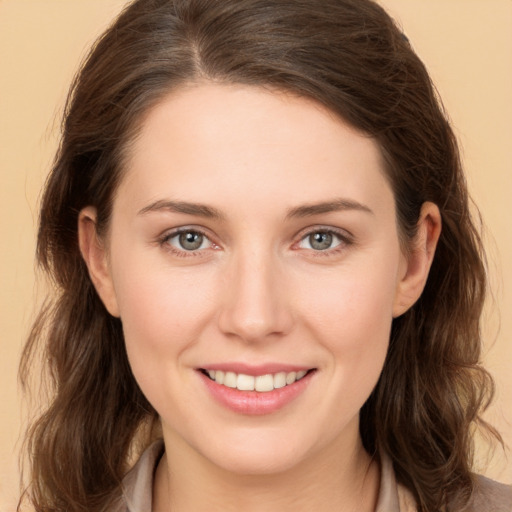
x: 345, y: 240
x: 164, y: 241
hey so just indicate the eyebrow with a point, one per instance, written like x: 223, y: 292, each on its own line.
x: 202, y: 210
x: 334, y: 205
x: 199, y: 210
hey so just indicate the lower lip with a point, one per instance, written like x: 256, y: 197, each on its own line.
x: 254, y: 402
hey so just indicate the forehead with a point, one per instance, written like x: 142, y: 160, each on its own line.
x: 216, y: 141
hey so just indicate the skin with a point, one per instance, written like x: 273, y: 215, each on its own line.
x: 257, y: 291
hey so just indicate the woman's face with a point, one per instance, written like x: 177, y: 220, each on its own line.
x: 253, y: 240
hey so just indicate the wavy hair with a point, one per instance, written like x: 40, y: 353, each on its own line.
x: 347, y: 55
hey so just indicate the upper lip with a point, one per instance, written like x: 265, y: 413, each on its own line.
x: 255, y: 370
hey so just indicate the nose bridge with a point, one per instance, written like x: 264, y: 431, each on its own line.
x: 255, y: 304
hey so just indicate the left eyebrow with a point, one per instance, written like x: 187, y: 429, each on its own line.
x: 335, y: 205
x: 197, y: 209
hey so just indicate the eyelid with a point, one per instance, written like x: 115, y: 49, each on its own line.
x: 163, y: 240
x: 342, y: 233
x: 345, y: 236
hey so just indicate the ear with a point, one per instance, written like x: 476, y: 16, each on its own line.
x: 95, y: 256
x: 416, y: 265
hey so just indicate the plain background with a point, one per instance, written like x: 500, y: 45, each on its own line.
x: 466, y: 45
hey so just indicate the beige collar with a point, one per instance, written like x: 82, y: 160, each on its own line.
x: 138, y: 485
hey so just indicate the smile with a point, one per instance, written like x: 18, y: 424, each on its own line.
x: 256, y: 391
x: 261, y: 383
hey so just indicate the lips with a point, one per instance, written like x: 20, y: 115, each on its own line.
x: 255, y: 390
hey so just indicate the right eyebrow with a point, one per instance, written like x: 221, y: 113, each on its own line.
x: 197, y: 209
x: 334, y: 205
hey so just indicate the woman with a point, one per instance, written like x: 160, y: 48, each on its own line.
x: 259, y: 228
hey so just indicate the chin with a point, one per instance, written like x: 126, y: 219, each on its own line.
x: 252, y: 461
x: 263, y: 451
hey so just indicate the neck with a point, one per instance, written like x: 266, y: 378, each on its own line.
x: 327, y: 482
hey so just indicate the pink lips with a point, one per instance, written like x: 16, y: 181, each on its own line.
x: 254, y: 402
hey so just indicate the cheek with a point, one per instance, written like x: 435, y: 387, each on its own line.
x: 354, y: 327
x: 350, y: 313
x: 162, y: 312
x: 352, y: 306
x: 162, y: 321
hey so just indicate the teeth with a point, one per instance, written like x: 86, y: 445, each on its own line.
x: 245, y: 382
x: 230, y: 379
x: 264, y: 383
x: 261, y: 383
x: 290, y: 377
x: 279, y: 380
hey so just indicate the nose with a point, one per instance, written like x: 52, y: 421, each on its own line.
x: 255, y: 306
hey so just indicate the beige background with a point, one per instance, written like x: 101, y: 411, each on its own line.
x: 467, y: 46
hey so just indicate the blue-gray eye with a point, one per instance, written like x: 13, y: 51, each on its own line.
x: 320, y: 241
x: 189, y: 241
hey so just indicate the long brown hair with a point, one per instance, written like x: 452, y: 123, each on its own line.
x: 347, y: 55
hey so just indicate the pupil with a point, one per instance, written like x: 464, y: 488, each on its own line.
x: 191, y: 241
x: 321, y: 241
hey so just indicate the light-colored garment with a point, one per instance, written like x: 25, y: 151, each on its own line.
x: 393, y: 497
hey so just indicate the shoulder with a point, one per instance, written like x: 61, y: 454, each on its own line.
x: 490, y: 496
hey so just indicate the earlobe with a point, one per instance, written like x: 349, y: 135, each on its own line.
x: 94, y: 254
x: 413, y: 276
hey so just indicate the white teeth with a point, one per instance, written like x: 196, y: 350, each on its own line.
x: 264, y: 383
x: 230, y: 379
x: 290, y: 377
x: 245, y: 382
x: 261, y: 383
x: 280, y: 380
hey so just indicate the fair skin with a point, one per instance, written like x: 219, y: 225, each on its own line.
x: 288, y: 259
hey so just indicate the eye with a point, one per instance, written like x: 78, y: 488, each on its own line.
x: 321, y: 240
x: 188, y: 240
